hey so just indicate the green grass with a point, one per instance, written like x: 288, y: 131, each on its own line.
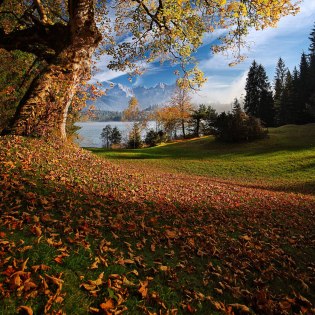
x: 286, y: 159
x: 145, y: 207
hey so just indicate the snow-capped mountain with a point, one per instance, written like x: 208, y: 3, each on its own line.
x: 117, y: 96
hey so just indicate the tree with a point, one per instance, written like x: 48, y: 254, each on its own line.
x: 197, y: 116
x: 288, y: 100
x: 65, y: 34
x: 153, y: 138
x: 251, y: 102
x: 106, y: 136
x: 279, y: 87
x: 135, y: 141
x: 182, y: 101
x: 303, y: 91
x: 167, y: 117
x: 311, y: 99
x: 132, y: 112
x: 258, y: 98
x: 238, y: 126
x: 115, y: 136
x: 210, y: 121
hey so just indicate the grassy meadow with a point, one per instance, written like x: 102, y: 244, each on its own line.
x: 193, y: 227
x: 284, y: 161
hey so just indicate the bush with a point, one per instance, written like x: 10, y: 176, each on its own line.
x: 154, y: 138
x: 238, y: 127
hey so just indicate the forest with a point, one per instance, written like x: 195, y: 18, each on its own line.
x: 217, y: 221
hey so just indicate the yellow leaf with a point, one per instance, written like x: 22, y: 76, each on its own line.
x: 164, y: 268
x: 88, y: 287
x: 245, y: 238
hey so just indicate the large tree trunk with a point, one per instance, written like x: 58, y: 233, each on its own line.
x: 43, y: 110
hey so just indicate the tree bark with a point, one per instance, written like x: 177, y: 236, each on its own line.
x: 183, y: 128
x: 43, y: 110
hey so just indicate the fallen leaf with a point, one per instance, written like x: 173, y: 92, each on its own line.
x: 143, y: 290
x: 242, y: 309
x: 25, y: 310
x: 108, y: 305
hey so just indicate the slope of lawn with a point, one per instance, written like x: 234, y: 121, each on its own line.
x: 284, y: 161
x: 80, y: 234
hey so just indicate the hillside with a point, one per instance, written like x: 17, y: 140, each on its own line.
x: 153, y: 231
x: 284, y: 161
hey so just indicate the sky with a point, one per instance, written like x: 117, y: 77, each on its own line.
x: 288, y: 40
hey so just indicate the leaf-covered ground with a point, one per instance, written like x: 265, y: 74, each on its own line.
x: 79, y: 235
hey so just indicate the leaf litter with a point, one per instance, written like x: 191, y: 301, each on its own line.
x: 155, y: 243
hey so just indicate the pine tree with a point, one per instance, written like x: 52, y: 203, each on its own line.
x: 135, y: 141
x: 311, y: 99
x: 288, y: 100
x: 115, y: 136
x: 279, y: 86
x: 303, y: 91
x: 251, y: 101
x: 258, y: 98
x: 197, y: 116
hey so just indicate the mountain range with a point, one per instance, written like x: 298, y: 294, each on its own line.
x: 117, y: 96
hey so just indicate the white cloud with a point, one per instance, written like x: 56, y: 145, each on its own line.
x: 220, y: 91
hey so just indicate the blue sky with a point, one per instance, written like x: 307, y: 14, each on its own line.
x: 225, y: 83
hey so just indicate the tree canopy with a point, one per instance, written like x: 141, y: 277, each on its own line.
x: 65, y: 34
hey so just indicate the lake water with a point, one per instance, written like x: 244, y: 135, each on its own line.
x: 90, y: 132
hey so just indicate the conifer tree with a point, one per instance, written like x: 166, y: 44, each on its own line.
x: 252, y: 93
x: 258, y: 98
x: 303, y: 89
x: 311, y: 99
x: 288, y: 100
x: 279, y: 86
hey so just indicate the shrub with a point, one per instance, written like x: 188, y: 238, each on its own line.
x: 238, y: 127
x: 154, y: 138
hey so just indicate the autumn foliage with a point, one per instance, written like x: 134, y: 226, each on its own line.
x: 124, y: 240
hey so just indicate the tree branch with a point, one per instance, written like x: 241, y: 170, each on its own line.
x: 41, y: 11
x: 44, y: 42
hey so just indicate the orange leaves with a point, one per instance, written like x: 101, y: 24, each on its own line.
x: 25, y: 310
x: 181, y: 235
x: 171, y: 234
x: 93, y: 285
x: 36, y: 230
x: 108, y: 305
x: 240, y: 309
x: 143, y: 290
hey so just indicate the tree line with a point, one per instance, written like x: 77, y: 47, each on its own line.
x: 292, y: 99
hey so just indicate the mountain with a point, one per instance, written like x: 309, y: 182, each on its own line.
x: 117, y: 96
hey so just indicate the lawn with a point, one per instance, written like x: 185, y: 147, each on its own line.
x: 284, y: 161
x: 166, y: 230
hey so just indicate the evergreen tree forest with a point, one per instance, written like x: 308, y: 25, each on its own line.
x: 291, y: 100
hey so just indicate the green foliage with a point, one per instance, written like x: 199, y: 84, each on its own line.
x: 105, y: 136
x: 143, y: 235
x: 283, y: 160
x: 258, y: 99
x: 115, y: 137
x: 110, y: 136
x: 17, y: 70
x: 238, y: 126
x: 154, y: 138
x: 135, y: 140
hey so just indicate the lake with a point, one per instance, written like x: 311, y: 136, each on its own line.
x: 90, y: 132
